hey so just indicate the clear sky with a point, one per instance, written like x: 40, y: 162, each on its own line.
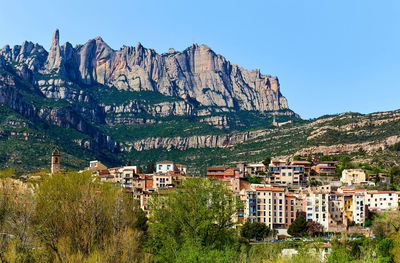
x: 330, y: 56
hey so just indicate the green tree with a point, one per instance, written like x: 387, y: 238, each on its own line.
x: 253, y: 179
x: 77, y: 216
x: 296, y: 158
x: 266, y: 162
x: 199, y: 211
x: 384, y: 248
x: 150, y: 168
x: 299, y: 227
x: 254, y: 230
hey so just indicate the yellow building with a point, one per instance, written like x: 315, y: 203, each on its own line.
x: 353, y: 176
x: 348, y: 207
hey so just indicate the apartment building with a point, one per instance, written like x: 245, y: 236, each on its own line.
x: 250, y: 212
x: 317, y: 205
x: 255, y: 168
x: 266, y: 204
x: 324, y: 168
x: 353, y: 176
x: 382, y: 200
x: 306, y: 164
x: 291, y: 208
x: 359, y: 208
x: 162, y: 180
x: 127, y: 174
x: 281, y: 173
x: 222, y: 172
x: 336, y: 209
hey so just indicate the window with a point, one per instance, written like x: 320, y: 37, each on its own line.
x: 283, y: 174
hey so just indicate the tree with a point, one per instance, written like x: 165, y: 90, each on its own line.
x: 314, y: 228
x: 77, y: 216
x: 150, y: 168
x: 394, y: 171
x: 299, y: 227
x: 296, y: 158
x: 266, y: 162
x: 377, y: 179
x: 254, y: 230
x: 253, y: 179
x: 199, y: 211
x: 384, y: 249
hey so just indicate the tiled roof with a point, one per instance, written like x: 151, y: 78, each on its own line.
x: 165, y: 162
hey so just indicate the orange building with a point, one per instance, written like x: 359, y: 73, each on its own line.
x: 290, y: 208
x: 222, y: 172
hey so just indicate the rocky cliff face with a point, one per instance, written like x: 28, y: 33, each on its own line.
x: 197, y: 74
x: 92, y: 91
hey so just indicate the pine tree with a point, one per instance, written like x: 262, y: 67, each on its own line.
x: 299, y: 227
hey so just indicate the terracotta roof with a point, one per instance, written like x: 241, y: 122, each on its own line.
x: 383, y: 192
x: 300, y: 162
x: 220, y: 167
x: 274, y: 189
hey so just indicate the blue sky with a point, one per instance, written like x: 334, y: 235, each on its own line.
x: 330, y: 56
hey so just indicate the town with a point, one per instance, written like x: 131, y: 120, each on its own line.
x: 286, y: 189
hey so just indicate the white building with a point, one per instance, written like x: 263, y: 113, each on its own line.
x: 317, y: 205
x: 359, y: 208
x: 126, y: 175
x: 382, y: 200
x: 165, y: 167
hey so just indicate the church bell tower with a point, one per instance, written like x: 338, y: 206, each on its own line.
x: 55, y: 161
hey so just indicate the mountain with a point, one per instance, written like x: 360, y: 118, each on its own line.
x: 193, y: 106
x: 102, y: 94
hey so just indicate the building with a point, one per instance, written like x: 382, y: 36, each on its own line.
x: 266, y: 204
x: 359, y: 208
x: 181, y: 168
x: 222, y: 172
x: 162, y: 180
x: 255, y: 169
x: 250, y: 213
x: 55, y: 161
x: 382, y: 200
x: 353, y: 176
x: 127, y: 175
x: 291, y: 208
x: 281, y: 173
x: 336, y: 209
x: 306, y: 164
x: 317, y: 205
x: 165, y: 167
x: 324, y: 168
x: 96, y: 166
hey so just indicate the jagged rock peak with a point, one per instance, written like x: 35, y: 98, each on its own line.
x: 98, y: 38
x: 197, y: 75
x: 56, y: 38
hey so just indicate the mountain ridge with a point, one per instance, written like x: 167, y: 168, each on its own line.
x: 192, y: 106
x: 196, y: 74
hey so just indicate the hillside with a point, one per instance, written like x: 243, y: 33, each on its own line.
x: 193, y: 106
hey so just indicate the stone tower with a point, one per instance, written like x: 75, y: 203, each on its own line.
x: 55, y: 161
